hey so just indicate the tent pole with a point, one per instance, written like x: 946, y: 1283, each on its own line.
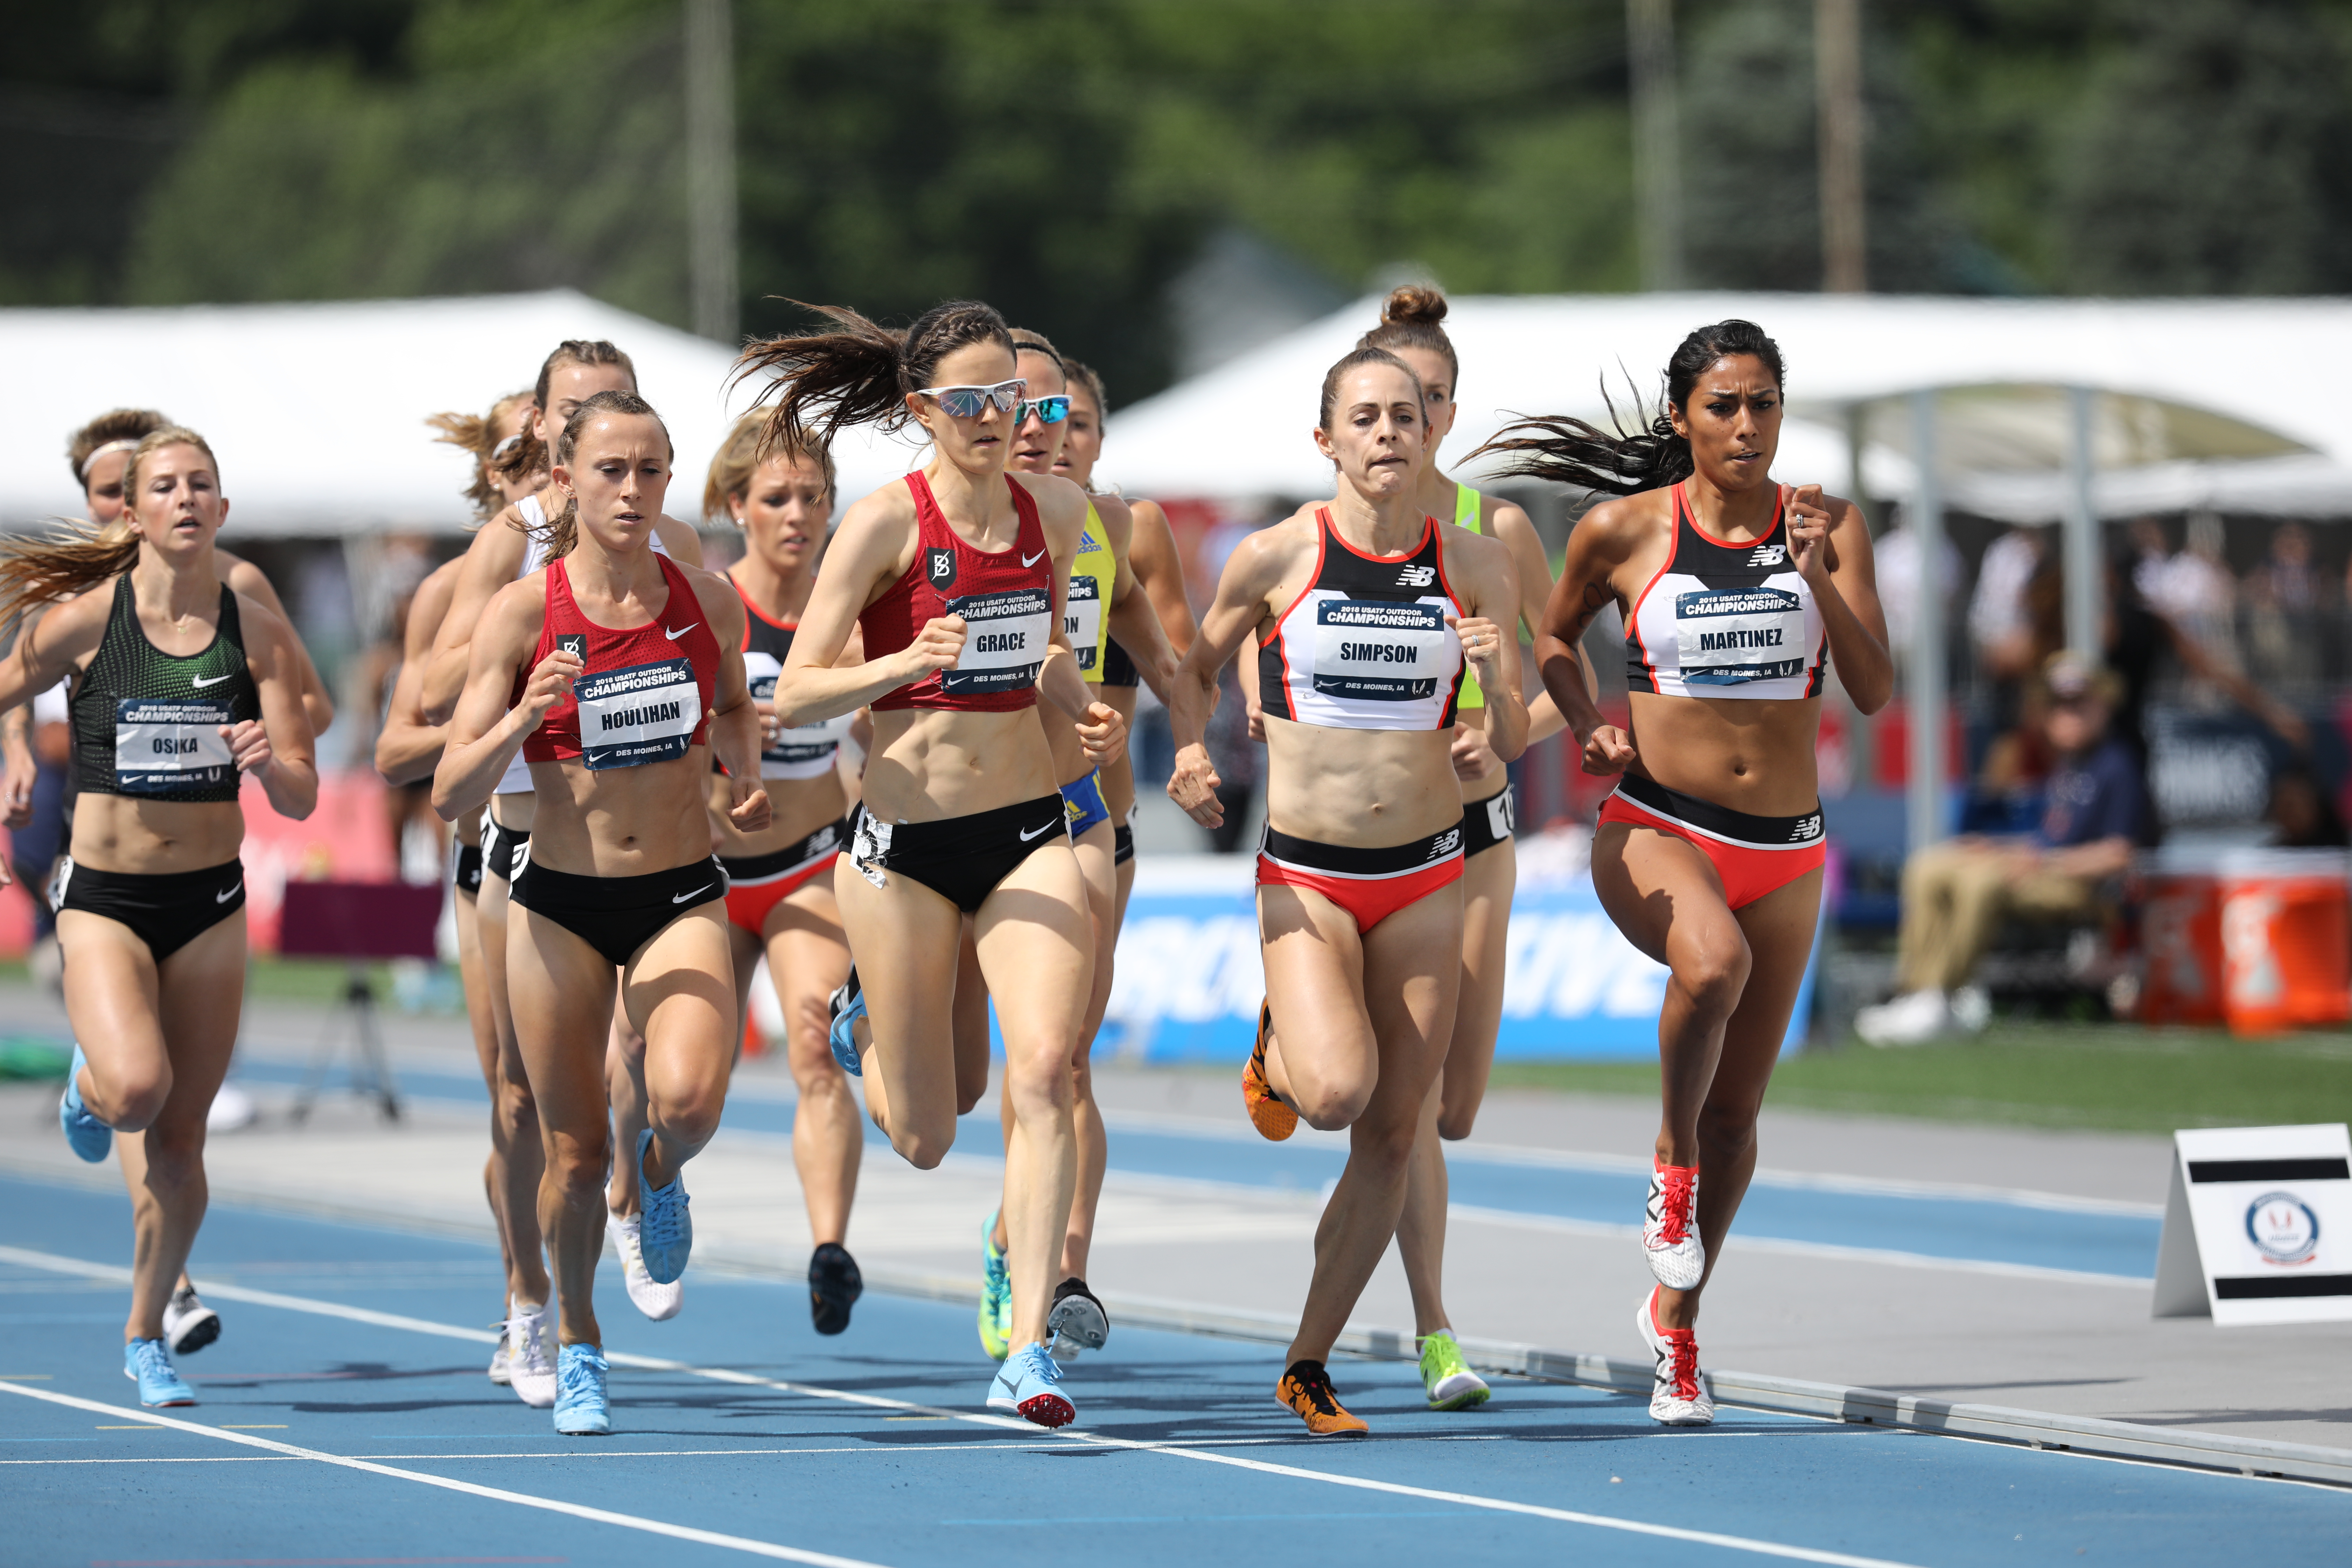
x: 1925, y: 678
x: 1657, y: 142
x: 2084, y: 573
x: 710, y: 168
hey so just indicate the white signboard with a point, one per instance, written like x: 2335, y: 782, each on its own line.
x: 2258, y: 1226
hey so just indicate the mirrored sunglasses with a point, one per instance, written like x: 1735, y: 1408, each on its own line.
x: 966, y: 402
x: 1050, y: 410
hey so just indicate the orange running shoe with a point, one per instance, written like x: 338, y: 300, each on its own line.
x: 1272, y: 1118
x: 1306, y: 1388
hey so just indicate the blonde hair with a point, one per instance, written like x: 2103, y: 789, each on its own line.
x: 477, y: 434
x: 739, y: 457
x: 42, y: 570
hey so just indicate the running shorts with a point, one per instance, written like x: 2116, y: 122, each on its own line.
x: 1753, y: 855
x: 1370, y: 884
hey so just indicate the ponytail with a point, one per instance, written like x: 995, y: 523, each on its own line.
x: 1410, y: 319
x: 45, y: 569
x: 859, y: 373
x: 475, y: 433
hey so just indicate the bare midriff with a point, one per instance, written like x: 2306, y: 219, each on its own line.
x: 930, y: 763
x: 620, y: 822
x: 1745, y: 754
x: 801, y: 807
x: 155, y: 837
x: 1365, y: 788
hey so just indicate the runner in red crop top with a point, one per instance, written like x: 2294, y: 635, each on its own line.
x: 1006, y: 598
x: 643, y: 695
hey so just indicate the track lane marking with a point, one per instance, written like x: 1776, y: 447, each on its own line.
x: 496, y: 1494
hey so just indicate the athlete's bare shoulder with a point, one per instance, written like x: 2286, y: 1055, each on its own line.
x: 521, y: 604
x: 70, y: 629
x: 1060, y: 502
x: 684, y: 544
x: 1618, y: 528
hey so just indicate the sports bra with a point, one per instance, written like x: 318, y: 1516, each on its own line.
x: 644, y: 696
x: 516, y: 780
x: 1094, y: 573
x: 146, y: 722
x: 1721, y: 619
x: 803, y: 753
x: 1006, y: 599
x: 1365, y: 646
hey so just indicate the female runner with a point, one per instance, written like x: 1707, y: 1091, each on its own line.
x: 955, y: 579
x: 780, y: 899
x: 1736, y: 592
x: 618, y: 665
x: 1365, y: 615
x: 1101, y: 592
x: 181, y: 687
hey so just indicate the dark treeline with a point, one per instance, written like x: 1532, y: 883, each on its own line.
x: 1071, y: 159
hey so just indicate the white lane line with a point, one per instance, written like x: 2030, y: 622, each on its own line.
x: 496, y: 1494
x: 1044, y: 1444
x: 880, y: 1402
x: 57, y: 1264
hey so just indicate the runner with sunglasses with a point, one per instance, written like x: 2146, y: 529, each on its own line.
x: 1367, y: 615
x: 608, y: 671
x: 956, y: 578
x: 1736, y: 594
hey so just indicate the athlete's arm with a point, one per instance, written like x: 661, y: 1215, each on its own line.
x: 684, y: 544
x: 243, y: 577
x: 408, y: 749
x: 1062, y: 514
x: 867, y: 554
x: 1831, y: 546
x: 1251, y: 573
x: 1490, y: 602
x: 734, y: 717
x: 1604, y: 540
x: 19, y: 767
x: 56, y: 644
x: 1152, y: 546
x: 491, y: 562
x: 1134, y: 619
x: 278, y: 750
x: 485, y: 733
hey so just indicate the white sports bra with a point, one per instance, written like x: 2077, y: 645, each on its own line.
x: 1366, y: 645
x: 1721, y: 619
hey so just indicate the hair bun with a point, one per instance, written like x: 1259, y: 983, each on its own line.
x: 1414, y: 304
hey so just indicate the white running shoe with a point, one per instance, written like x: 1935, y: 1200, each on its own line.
x: 1911, y: 1019
x: 1678, y: 1396
x: 188, y: 1324
x: 531, y: 1357
x: 499, y: 1357
x: 659, y: 1302
x: 1670, y: 1227
x: 1971, y: 1009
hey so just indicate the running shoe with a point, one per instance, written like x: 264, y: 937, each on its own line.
x: 1913, y: 1018
x: 1077, y: 1321
x: 499, y: 1373
x: 1678, y: 1397
x: 996, y: 1295
x: 664, y: 1228
x: 659, y: 1302
x: 581, y: 1409
x: 1307, y: 1389
x: 1670, y: 1227
x: 531, y: 1357
x: 835, y: 1285
x: 1446, y: 1376
x: 847, y: 1004
x: 89, y: 1137
x: 1272, y: 1118
x: 149, y: 1364
x: 1031, y: 1383
x: 188, y: 1324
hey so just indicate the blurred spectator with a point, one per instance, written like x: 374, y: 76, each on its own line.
x: 2284, y: 597
x: 2195, y: 590
x: 1896, y: 555
x: 2300, y: 814
x: 1955, y: 894
x: 1997, y: 616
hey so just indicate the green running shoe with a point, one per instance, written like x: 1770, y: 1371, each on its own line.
x: 996, y: 1295
x: 1451, y: 1383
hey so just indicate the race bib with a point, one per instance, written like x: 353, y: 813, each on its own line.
x: 646, y: 714
x: 170, y: 745
x: 1378, y: 651
x: 1729, y: 637
x: 805, y: 750
x: 1082, y: 615
x: 1004, y: 642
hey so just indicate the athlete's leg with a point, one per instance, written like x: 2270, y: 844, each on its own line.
x: 1037, y: 948
x: 808, y: 955
x: 1779, y: 928
x: 679, y: 992
x: 973, y: 1052
x: 1410, y: 968
x: 905, y: 936
x: 562, y: 990
x: 514, y: 1112
x: 485, y: 1055
x: 624, y: 1087
x: 1321, y: 1056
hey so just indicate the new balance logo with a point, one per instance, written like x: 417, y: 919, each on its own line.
x: 1445, y: 844
x: 1768, y: 555
x: 1807, y: 829
x: 1416, y: 576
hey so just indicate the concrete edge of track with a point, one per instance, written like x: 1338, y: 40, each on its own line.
x: 1753, y: 1390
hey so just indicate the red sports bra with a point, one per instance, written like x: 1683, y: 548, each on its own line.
x: 1006, y: 599
x: 645, y: 694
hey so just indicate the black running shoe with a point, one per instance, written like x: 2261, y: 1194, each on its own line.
x: 1077, y: 1321
x: 835, y: 1285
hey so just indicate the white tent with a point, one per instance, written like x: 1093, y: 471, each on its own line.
x: 1244, y: 429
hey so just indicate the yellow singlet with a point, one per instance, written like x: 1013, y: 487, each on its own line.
x: 1093, y: 575
x: 1465, y: 515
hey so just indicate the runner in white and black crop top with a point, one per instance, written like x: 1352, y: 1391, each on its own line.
x: 1726, y: 619
x: 1366, y: 645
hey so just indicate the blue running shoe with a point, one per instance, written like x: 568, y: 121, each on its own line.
x: 666, y: 1229
x: 90, y: 1137
x: 147, y: 1364
x: 847, y: 1006
x: 995, y: 1295
x: 1030, y: 1383
x: 582, y: 1410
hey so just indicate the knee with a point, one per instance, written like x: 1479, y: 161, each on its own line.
x: 1715, y: 971
x: 576, y: 1165
x: 969, y: 1094
x: 1727, y: 1129
x: 132, y: 1098
x: 1387, y: 1144
x: 174, y: 1158
x: 923, y: 1147
x: 690, y: 1119
x: 1330, y: 1106
x: 517, y: 1107
x: 1040, y: 1081
x: 1455, y: 1122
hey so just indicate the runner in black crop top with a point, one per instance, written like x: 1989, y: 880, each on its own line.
x: 148, y: 723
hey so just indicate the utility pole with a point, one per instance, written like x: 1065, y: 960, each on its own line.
x: 711, y: 167
x: 1837, y: 81
x: 1657, y: 142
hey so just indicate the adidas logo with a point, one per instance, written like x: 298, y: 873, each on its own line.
x: 1768, y: 555
x: 1416, y: 576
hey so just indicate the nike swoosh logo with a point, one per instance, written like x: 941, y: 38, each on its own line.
x: 224, y: 897
x: 202, y: 682
x: 707, y: 885
x: 681, y: 631
x: 1047, y: 828
x: 1032, y: 560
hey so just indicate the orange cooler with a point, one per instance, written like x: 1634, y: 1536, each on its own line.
x: 2260, y: 939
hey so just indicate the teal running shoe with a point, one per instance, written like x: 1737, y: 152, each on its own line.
x: 88, y: 1136
x: 1446, y: 1377
x: 1031, y: 1384
x: 581, y: 1409
x: 147, y: 1364
x: 666, y: 1229
x: 847, y: 1004
x: 995, y: 1294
